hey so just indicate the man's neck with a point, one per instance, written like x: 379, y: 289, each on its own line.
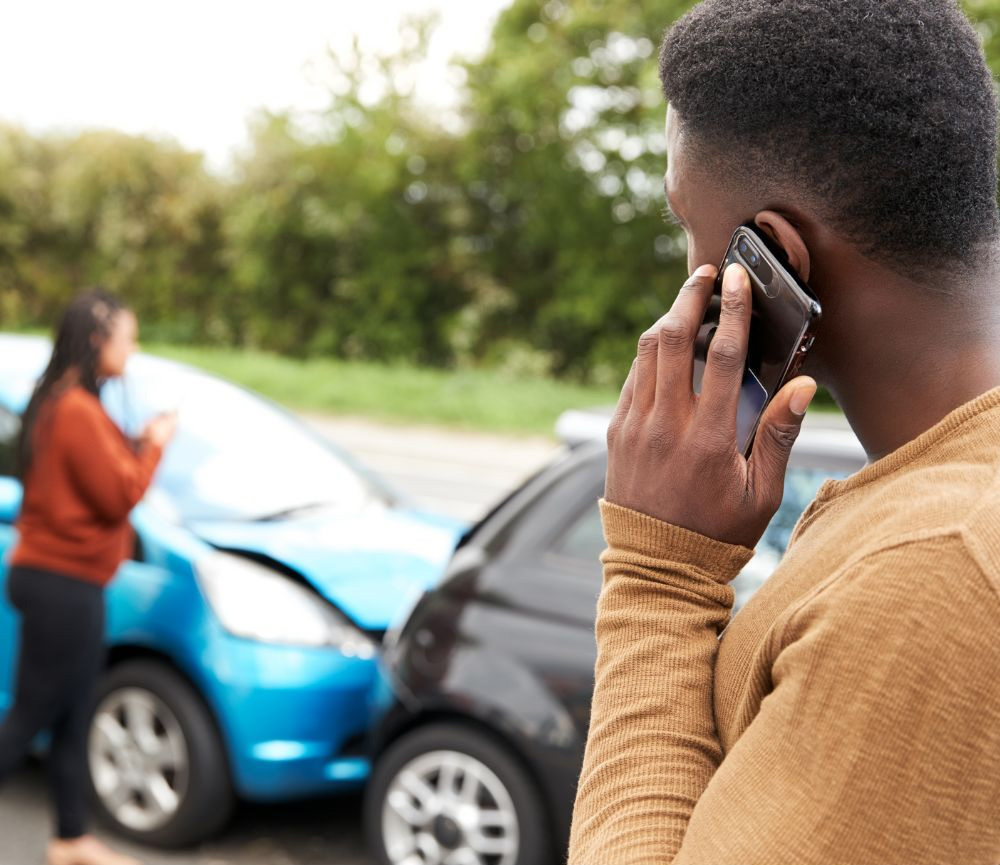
x: 885, y: 419
x: 916, y: 365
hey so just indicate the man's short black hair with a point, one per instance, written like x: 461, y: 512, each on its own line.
x: 880, y: 114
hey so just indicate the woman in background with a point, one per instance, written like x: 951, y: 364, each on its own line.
x: 82, y: 477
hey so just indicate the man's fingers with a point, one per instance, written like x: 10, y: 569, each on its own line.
x: 727, y: 354
x: 778, y: 430
x: 666, y: 349
x: 644, y: 372
x: 677, y: 335
x: 624, y: 403
x: 625, y: 399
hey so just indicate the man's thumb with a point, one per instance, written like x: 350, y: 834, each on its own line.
x: 778, y: 430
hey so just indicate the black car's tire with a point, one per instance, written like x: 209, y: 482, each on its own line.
x: 152, y: 734
x: 417, y: 752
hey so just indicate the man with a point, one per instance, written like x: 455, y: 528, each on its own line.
x: 851, y: 712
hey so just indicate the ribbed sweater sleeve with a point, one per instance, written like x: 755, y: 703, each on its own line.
x: 103, y: 468
x: 652, y: 747
x: 877, y: 738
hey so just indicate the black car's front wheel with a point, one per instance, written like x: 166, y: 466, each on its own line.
x: 157, y: 768
x: 447, y: 794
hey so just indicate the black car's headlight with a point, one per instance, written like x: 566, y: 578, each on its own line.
x: 255, y: 602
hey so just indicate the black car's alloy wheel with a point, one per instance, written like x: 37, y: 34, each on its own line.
x: 157, y: 770
x: 447, y: 794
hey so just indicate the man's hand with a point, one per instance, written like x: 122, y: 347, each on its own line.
x: 671, y: 453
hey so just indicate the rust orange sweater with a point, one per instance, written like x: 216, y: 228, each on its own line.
x: 83, y: 482
x: 850, y: 714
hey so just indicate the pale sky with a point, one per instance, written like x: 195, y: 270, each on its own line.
x: 195, y: 69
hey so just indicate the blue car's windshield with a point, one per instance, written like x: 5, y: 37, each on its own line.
x: 235, y: 456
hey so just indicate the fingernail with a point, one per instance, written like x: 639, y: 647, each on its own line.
x: 735, y: 279
x: 801, y: 399
x: 705, y: 270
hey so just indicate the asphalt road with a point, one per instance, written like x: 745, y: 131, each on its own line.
x: 460, y: 474
x: 454, y: 473
x: 315, y: 832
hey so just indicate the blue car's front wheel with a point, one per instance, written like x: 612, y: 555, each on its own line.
x: 157, y: 768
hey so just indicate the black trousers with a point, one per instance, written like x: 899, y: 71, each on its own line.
x: 61, y: 656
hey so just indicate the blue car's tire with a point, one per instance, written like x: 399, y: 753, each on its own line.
x: 497, y: 810
x: 158, y: 770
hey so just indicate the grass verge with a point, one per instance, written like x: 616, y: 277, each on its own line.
x: 468, y: 399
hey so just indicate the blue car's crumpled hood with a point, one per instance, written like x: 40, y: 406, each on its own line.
x: 369, y: 565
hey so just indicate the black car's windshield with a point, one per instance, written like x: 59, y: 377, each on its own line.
x: 801, y: 486
x: 235, y: 456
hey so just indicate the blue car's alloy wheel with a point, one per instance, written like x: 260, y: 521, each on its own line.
x: 139, y: 759
x: 157, y: 768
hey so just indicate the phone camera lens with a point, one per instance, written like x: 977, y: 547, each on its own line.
x: 744, y: 246
x: 754, y: 259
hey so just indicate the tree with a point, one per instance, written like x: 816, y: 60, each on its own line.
x: 529, y: 236
x: 138, y: 216
x: 342, y: 236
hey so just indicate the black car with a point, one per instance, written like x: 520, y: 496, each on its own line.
x: 489, y: 681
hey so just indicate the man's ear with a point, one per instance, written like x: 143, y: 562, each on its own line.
x: 788, y: 238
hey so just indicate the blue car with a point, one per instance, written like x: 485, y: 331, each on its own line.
x: 243, y: 631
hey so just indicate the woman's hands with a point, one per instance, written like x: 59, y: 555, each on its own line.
x: 160, y: 429
x: 671, y: 453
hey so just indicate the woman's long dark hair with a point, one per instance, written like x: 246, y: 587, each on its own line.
x: 85, y: 327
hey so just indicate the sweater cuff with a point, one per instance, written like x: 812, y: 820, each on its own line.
x: 634, y: 533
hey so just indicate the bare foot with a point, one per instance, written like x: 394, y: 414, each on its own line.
x: 85, y: 850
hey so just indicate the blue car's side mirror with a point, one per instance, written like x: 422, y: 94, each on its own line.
x: 10, y: 499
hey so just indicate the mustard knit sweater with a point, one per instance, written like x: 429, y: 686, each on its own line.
x: 850, y: 714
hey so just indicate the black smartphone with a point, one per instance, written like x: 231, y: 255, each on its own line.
x: 783, y: 317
